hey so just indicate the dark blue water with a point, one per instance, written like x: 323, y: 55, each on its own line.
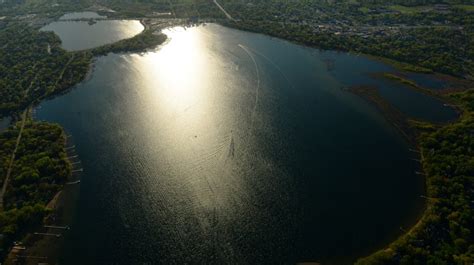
x: 428, y: 81
x: 4, y: 123
x: 227, y: 147
x: 355, y: 70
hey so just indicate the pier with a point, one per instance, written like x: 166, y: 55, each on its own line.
x: 73, y: 182
x: 47, y: 234
x: 57, y: 227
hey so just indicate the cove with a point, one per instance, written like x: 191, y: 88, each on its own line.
x: 229, y: 147
x: 80, y: 35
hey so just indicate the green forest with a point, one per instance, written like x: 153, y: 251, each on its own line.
x: 139, y: 43
x: 33, y: 66
x: 440, y: 41
x: 39, y: 171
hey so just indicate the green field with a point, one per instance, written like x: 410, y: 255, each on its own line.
x: 364, y: 9
x: 409, y: 9
x: 469, y: 8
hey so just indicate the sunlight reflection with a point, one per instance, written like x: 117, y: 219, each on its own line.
x: 186, y: 101
x: 180, y: 68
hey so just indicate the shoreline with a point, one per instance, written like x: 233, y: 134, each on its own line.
x: 433, y: 198
x: 399, y: 65
x: 373, y: 99
x: 401, y: 123
x: 412, y: 220
x: 43, y: 248
x: 47, y: 248
x: 412, y: 130
x: 439, y: 94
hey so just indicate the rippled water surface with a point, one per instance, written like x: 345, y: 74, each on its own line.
x: 227, y: 147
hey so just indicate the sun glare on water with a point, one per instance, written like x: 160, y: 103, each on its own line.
x: 180, y: 69
x: 185, y: 87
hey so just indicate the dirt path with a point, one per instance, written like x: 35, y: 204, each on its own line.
x: 61, y: 75
x: 223, y: 10
x: 18, y: 139
x: 12, y: 159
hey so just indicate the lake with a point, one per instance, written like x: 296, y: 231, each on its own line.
x: 4, y: 123
x: 80, y: 35
x: 229, y: 147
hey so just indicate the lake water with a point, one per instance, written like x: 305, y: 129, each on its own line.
x: 4, y: 123
x: 427, y: 80
x: 80, y: 35
x: 228, y: 147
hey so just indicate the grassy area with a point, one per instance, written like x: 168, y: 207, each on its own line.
x: 406, y: 67
x: 468, y: 8
x: 408, y: 9
x: 364, y: 9
x: 402, y: 80
x: 392, y: 114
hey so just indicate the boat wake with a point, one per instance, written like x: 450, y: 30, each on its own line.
x: 258, y: 80
x: 272, y: 63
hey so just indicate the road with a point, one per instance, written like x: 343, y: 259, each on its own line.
x: 60, y: 75
x: 12, y: 159
x: 223, y: 10
x: 18, y: 139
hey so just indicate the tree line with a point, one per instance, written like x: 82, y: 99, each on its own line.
x: 39, y: 171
